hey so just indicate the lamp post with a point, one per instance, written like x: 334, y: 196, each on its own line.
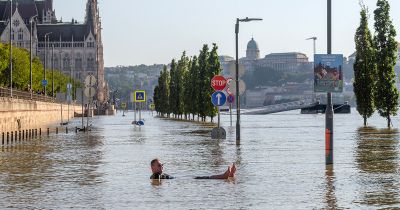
x: 52, y: 70
x: 314, y: 43
x: 45, y: 60
x: 11, y: 56
x: 314, y: 38
x: 237, y: 75
x: 30, y: 52
x: 329, y: 107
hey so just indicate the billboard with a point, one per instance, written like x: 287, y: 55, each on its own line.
x: 328, y: 73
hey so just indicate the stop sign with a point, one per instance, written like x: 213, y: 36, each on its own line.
x: 218, y: 83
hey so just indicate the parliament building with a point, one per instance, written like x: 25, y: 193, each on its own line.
x: 73, y: 47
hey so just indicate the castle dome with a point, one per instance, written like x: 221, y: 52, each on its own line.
x: 252, y: 45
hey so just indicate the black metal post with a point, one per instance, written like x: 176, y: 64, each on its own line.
x: 329, y: 108
x: 30, y: 58
x: 11, y: 50
x: 52, y: 70
x: 237, y: 84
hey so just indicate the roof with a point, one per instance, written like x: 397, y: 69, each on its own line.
x: 252, y: 45
x: 287, y: 54
x: 67, y: 31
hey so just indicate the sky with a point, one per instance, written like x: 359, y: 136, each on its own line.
x: 156, y: 31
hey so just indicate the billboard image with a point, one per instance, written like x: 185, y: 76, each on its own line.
x: 328, y: 73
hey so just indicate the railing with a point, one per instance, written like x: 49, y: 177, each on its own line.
x: 17, y: 94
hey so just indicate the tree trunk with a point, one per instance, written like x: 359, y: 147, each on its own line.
x: 389, y: 121
x: 365, y: 121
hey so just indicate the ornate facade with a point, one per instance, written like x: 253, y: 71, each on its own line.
x: 72, y: 47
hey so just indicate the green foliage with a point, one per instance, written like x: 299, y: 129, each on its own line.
x: 364, y: 69
x: 186, y: 89
x: 21, y: 72
x: 387, y: 94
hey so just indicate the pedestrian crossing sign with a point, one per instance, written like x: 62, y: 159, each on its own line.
x: 139, y: 96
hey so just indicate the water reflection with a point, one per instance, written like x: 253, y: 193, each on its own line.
x: 377, y: 160
x: 330, y: 196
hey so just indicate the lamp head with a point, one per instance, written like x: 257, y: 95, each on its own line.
x: 247, y: 19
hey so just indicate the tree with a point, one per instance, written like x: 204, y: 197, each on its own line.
x: 214, y: 68
x: 387, y: 94
x: 181, y: 74
x: 364, y: 69
x: 203, y: 82
x: 173, y: 87
x: 193, y: 88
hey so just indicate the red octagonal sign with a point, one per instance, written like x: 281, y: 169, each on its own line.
x: 218, y: 83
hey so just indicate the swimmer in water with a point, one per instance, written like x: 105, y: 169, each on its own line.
x: 157, y: 169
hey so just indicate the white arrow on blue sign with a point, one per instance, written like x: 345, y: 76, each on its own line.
x: 218, y: 98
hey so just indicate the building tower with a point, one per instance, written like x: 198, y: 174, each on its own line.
x: 252, y: 52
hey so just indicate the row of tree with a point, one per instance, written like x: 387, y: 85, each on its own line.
x: 376, y: 56
x: 184, y: 89
x: 21, y: 72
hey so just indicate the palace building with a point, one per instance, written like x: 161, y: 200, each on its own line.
x: 73, y: 47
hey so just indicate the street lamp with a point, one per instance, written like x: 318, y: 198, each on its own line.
x: 30, y: 51
x: 314, y: 43
x: 11, y: 56
x: 314, y: 38
x: 329, y: 107
x: 237, y: 74
x: 45, y: 60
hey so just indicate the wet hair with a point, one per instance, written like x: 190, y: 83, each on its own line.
x: 153, y: 161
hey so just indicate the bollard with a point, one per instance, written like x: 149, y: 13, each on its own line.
x: 23, y: 134
x: 76, y: 129
x: 30, y: 133
x: 2, y: 138
x: 40, y: 131
x: 12, y: 137
x: 35, y: 133
x: 56, y: 130
x: 20, y: 135
x: 48, y: 131
x: 66, y: 130
x: 8, y: 137
x: 26, y: 134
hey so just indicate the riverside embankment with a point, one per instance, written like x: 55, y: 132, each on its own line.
x: 21, y: 114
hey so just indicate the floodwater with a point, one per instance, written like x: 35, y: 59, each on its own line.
x: 281, y: 165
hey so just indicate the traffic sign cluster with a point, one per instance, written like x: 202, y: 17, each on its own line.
x: 219, y: 84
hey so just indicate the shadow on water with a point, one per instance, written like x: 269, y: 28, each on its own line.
x: 377, y: 159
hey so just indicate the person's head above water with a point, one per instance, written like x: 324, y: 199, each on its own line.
x: 156, y: 166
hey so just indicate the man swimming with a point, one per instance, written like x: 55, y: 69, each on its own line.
x: 157, y: 169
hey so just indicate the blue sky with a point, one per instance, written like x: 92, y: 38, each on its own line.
x: 155, y: 31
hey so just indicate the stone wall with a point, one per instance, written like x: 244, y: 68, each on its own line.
x: 18, y: 114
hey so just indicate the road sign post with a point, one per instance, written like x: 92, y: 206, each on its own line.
x: 231, y: 100
x: 218, y: 83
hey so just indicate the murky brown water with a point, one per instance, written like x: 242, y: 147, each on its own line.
x: 280, y: 166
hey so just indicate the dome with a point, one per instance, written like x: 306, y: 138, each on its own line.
x: 252, y: 45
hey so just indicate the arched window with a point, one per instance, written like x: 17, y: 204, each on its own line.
x: 90, y: 64
x: 66, y: 63
x: 20, y: 34
x: 78, y: 63
x: 13, y: 35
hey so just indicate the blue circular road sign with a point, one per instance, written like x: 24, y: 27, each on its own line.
x: 218, y: 98
x: 44, y: 82
x: 231, y: 99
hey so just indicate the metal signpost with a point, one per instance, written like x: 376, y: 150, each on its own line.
x: 139, y: 96
x: 69, y: 97
x: 231, y: 100
x: 218, y: 99
x: 90, y: 92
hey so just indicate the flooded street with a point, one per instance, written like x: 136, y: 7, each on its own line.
x: 281, y: 165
